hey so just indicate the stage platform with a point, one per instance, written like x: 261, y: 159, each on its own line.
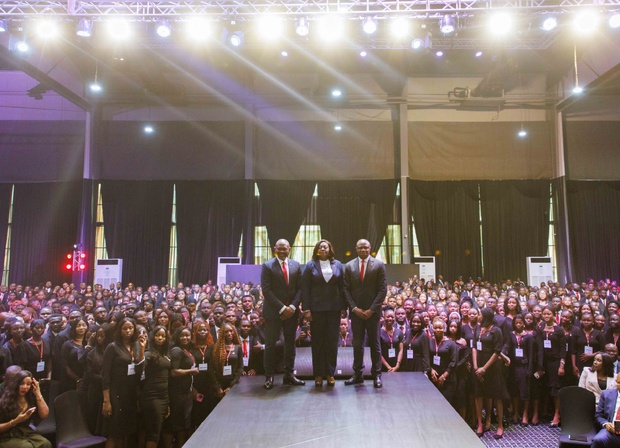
x: 407, y: 412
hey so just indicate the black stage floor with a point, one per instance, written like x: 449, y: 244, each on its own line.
x: 407, y: 412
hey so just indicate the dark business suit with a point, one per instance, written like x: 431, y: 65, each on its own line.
x: 325, y: 300
x: 605, y: 413
x: 365, y: 295
x: 277, y: 295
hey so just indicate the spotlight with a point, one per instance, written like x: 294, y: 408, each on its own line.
x: 500, y: 23
x: 3, y: 26
x: 22, y: 46
x: 439, y: 54
x: 198, y: 29
x: 478, y: 54
x: 47, y: 29
x: 236, y: 39
x: 284, y: 54
x: 585, y: 22
x: 270, y: 27
x: 148, y: 129
x: 302, y: 27
x: 417, y: 43
x: 363, y: 53
x: 164, y: 29
x: 119, y: 29
x: 447, y: 24
x: 522, y: 133
x: 336, y: 93
x: 614, y: 21
x: 399, y: 27
x: 338, y: 127
x: 549, y: 23
x: 95, y: 87
x: 331, y: 28
x: 370, y: 25
x: 84, y: 28
x: 577, y: 90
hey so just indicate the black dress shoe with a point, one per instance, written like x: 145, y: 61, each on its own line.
x: 377, y: 382
x: 355, y: 379
x: 293, y: 380
x: 269, y: 382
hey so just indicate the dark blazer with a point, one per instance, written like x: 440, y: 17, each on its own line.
x: 371, y: 293
x: 319, y: 295
x: 606, y: 407
x: 275, y: 290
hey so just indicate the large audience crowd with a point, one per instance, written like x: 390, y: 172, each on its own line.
x: 153, y: 362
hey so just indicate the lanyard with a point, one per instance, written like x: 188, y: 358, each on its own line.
x: 518, y: 337
x: 39, y: 347
x: 389, y: 336
x: 202, y: 352
x: 438, y: 346
x: 191, y: 356
x: 587, y: 335
x: 344, y: 340
x: 228, y: 354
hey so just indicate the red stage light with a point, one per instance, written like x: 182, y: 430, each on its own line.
x: 82, y: 267
x: 69, y: 256
x: 69, y: 267
x: 82, y: 255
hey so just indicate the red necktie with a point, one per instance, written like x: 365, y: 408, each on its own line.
x: 362, y: 272
x: 245, y: 348
x: 618, y: 414
x: 284, y: 271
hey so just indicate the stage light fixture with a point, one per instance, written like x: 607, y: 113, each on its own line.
x: 148, y: 129
x: 614, y: 21
x: 522, y: 132
x: 47, y: 29
x: 119, y: 29
x: 417, y: 43
x: 585, y: 22
x: 284, y: 54
x: 577, y: 90
x: 337, y: 127
x: 270, y: 27
x: 370, y: 25
x: 500, y: 24
x: 478, y: 54
x: 95, y: 87
x: 84, y: 28
x: 22, y: 46
x: 447, y: 24
x: 236, y: 39
x: 336, y: 93
x: 363, y: 53
x: 331, y: 28
x: 302, y: 27
x: 3, y: 26
x: 549, y: 23
x: 164, y: 29
x: 400, y: 27
x: 439, y: 53
x: 198, y: 29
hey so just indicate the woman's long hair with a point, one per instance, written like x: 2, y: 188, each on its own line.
x: 9, y: 406
x: 218, y: 355
x: 165, y: 347
x: 197, y: 324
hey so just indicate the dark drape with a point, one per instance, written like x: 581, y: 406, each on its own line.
x: 210, y: 219
x: 515, y: 225
x: 350, y: 210
x: 446, y: 222
x: 284, y: 205
x: 562, y: 244
x: 5, y: 205
x: 43, y: 231
x: 594, y: 227
x: 138, y: 217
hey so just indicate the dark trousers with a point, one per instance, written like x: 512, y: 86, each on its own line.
x: 273, y: 328
x: 369, y: 327
x: 325, y: 327
x: 605, y: 439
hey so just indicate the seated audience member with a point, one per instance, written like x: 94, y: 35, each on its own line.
x: 606, y: 415
x: 600, y: 376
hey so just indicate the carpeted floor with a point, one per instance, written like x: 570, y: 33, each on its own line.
x: 515, y: 436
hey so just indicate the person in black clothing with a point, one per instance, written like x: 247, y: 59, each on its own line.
x: 391, y: 340
x: 522, y: 354
x: 154, y: 394
x: 37, y: 353
x: 226, y: 367
x: 203, y: 401
x: 91, y: 383
x: 553, y: 349
x: 444, y: 355
x: 585, y: 342
x: 71, y: 353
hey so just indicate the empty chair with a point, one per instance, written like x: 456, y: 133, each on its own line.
x: 47, y: 427
x: 71, y: 427
x: 577, y: 411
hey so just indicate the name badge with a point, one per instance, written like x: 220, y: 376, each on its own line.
x: 547, y: 343
x: 518, y: 352
x: 246, y: 361
x: 588, y: 350
x: 41, y: 366
x: 567, y: 346
x: 227, y: 370
x: 203, y: 367
x: 131, y: 369
x: 471, y: 343
x: 436, y: 360
x: 409, y: 354
x: 392, y: 353
x: 479, y: 346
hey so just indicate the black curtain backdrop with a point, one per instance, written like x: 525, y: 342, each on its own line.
x: 446, y: 224
x: 594, y: 227
x: 210, y: 220
x: 138, y: 217
x: 284, y: 206
x: 5, y: 205
x: 43, y: 231
x: 350, y: 210
x: 563, y: 263
x: 515, y: 225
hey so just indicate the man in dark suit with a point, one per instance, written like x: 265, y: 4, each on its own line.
x: 606, y: 412
x: 281, y: 282
x: 365, y: 287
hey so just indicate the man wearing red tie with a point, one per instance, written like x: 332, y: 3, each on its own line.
x: 365, y: 287
x: 281, y: 283
x: 607, y: 412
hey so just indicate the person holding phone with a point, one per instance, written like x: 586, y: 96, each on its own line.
x: 22, y: 404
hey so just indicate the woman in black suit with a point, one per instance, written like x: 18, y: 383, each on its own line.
x: 323, y: 299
